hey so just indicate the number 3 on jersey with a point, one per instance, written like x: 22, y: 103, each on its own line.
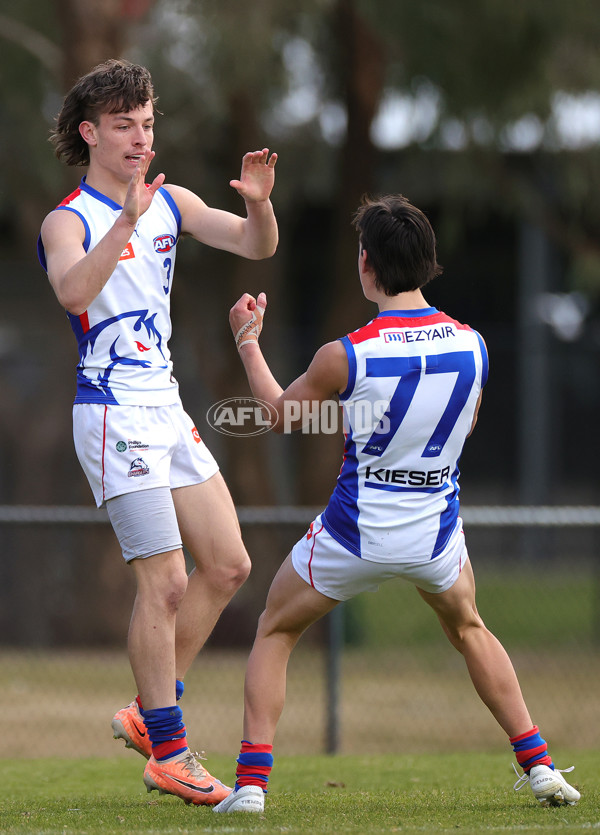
x: 167, y: 264
x: 409, y: 371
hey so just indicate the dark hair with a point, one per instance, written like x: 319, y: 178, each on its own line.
x: 399, y: 241
x: 114, y: 86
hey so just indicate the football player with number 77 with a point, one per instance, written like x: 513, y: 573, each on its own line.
x: 394, y: 512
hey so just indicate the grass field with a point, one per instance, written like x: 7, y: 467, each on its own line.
x: 427, y: 793
x: 418, y: 751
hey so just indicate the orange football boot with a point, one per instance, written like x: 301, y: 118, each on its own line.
x: 128, y: 724
x: 185, y: 778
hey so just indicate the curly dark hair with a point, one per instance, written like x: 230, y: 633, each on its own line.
x: 115, y: 86
x: 399, y: 241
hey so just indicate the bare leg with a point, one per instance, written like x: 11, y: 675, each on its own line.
x: 292, y: 606
x: 161, y: 584
x: 210, y: 530
x: 489, y: 666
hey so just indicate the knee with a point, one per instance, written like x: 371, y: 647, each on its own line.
x: 242, y: 571
x: 165, y: 589
x: 463, y: 633
x: 227, y: 579
x: 174, y: 590
x: 273, y: 628
x: 263, y: 628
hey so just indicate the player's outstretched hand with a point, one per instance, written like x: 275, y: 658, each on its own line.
x: 139, y: 195
x: 257, y: 177
x: 246, y: 318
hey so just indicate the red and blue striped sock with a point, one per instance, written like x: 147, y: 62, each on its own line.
x: 254, y: 765
x: 166, y: 731
x: 530, y: 749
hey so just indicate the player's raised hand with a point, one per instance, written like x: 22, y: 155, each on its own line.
x: 246, y: 318
x: 140, y: 194
x: 257, y: 177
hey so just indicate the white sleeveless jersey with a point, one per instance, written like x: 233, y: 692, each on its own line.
x: 123, y: 336
x: 414, y: 380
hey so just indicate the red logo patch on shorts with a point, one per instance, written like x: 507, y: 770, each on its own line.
x: 196, y: 435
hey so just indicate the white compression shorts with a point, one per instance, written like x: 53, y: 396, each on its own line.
x: 335, y: 572
x: 145, y: 523
x: 127, y: 449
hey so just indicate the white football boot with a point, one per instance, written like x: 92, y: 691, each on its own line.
x: 548, y: 786
x: 244, y: 799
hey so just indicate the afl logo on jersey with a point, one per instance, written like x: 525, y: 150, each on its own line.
x: 163, y: 243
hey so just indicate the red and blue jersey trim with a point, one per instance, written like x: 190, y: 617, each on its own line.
x: 427, y: 316
x: 402, y: 319
x: 64, y: 205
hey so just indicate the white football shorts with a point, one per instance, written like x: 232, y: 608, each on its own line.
x: 125, y: 449
x: 337, y: 573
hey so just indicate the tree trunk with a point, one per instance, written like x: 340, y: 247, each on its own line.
x: 361, y: 68
x: 92, y: 32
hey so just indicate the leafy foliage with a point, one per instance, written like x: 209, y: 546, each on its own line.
x: 307, y: 79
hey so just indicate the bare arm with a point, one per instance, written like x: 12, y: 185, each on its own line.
x: 78, y: 277
x: 254, y: 236
x: 326, y: 376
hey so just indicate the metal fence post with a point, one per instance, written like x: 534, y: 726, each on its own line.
x: 335, y: 643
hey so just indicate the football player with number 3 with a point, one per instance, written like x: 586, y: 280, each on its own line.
x: 109, y: 251
x: 394, y: 512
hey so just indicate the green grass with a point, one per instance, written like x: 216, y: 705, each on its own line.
x: 432, y: 793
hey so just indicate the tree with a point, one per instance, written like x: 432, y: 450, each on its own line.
x: 224, y: 70
x: 37, y: 462
x: 478, y: 78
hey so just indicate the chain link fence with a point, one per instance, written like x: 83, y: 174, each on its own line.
x: 378, y: 676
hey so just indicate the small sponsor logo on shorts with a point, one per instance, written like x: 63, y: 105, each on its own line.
x: 196, y: 435
x: 121, y: 446
x: 137, y: 468
x: 137, y: 446
x: 242, y: 416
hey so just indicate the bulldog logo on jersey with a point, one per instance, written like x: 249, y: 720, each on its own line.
x: 163, y: 243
